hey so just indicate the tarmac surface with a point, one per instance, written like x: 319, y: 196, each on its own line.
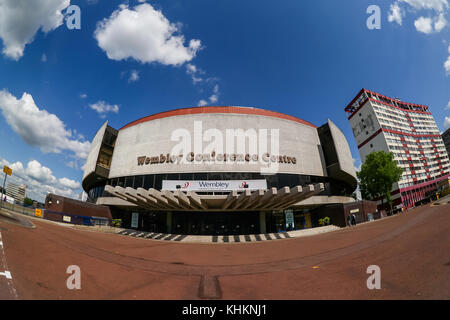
x: 412, y: 251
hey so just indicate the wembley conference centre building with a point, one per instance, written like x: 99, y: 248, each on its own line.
x: 219, y: 170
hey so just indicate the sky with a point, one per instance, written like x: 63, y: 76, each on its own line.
x: 61, y: 77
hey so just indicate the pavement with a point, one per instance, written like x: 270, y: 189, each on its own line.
x: 12, y: 217
x: 412, y: 251
x: 224, y: 239
x: 442, y: 201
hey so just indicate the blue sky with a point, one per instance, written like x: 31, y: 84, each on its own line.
x: 305, y: 58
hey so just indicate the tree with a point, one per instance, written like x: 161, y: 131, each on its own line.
x: 28, y: 202
x: 378, y: 173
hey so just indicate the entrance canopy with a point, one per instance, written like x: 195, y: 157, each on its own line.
x: 261, y: 199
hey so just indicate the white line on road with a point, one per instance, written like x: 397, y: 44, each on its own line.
x: 7, y: 274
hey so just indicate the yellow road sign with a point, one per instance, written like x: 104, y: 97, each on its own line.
x: 7, y: 170
x: 38, y: 213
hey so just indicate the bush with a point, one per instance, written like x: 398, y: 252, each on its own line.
x: 324, y: 221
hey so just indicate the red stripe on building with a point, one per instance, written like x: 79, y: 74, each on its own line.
x: 347, y: 109
x: 370, y: 138
x: 411, y: 134
x: 359, y: 108
x: 392, y: 106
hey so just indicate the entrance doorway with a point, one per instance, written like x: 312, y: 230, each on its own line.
x: 215, y: 223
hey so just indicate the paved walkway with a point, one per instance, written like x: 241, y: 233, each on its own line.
x: 411, y: 250
x: 444, y: 200
x: 226, y: 239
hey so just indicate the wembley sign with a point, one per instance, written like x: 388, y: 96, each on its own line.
x: 210, y: 185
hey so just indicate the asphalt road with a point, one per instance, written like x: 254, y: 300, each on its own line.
x: 412, y: 251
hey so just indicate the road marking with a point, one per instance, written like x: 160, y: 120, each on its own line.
x: 6, y: 273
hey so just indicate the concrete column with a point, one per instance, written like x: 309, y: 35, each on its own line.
x: 169, y: 222
x: 262, y: 222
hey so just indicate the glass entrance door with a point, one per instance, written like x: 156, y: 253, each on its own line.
x: 215, y: 223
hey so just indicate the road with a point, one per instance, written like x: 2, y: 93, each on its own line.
x: 412, y: 251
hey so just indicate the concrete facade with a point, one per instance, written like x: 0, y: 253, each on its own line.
x: 408, y: 130
x: 446, y: 139
x: 17, y: 192
x: 216, y: 145
x: 162, y: 136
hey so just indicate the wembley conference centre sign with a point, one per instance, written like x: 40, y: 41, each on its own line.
x: 210, y: 185
x: 213, y: 157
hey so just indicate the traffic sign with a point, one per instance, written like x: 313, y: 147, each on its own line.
x: 7, y: 170
x: 38, y: 213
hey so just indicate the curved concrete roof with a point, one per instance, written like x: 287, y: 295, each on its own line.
x: 218, y: 109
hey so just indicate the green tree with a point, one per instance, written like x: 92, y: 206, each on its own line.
x: 28, y: 201
x: 378, y: 173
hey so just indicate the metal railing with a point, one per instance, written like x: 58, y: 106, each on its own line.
x: 29, y: 211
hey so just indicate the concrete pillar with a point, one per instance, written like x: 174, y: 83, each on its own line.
x: 262, y: 222
x: 169, y: 222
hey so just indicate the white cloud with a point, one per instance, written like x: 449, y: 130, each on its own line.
x: 40, y: 180
x: 83, y: 96
x: 38, y: 127
x: 20, y: 20
x: 395, y: 13
x: 40, y: 173
x: 357, y: 164
x: 71, y: 184
x: 434, y: 23
x: 215, y: 96
x: 447, y: 63
x: 194, y: 72
x: 44, y: 57
x: 440, y: 23
x: 447, y: 123
x: 134, y: 76
x: 102, y: 108
x: 143, y: 34
x: 436, y: 5
x: 191, y: 68
x: 424, y: 25
x: 18, y: 169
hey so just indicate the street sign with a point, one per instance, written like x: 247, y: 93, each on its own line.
x: 7, y: 170
x: 134, y: 219
x: 290, y: 223
x: 38, y: 213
